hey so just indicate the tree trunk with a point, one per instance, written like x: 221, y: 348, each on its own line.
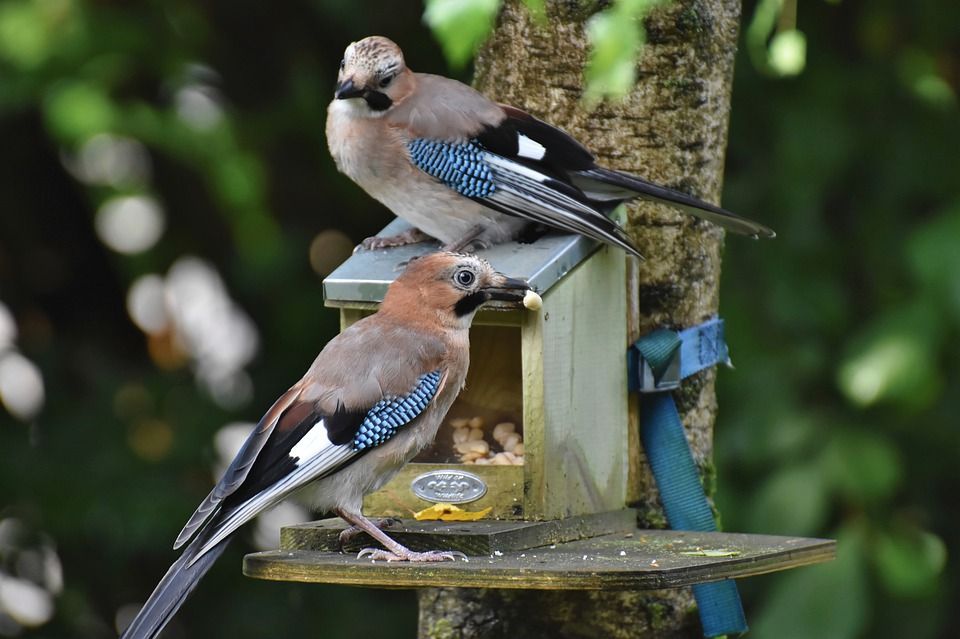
x: 671, y: 129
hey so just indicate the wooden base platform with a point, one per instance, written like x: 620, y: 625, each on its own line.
x: 629, y: 559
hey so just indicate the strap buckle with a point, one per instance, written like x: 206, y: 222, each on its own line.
x: 659, y: 361
x: 666, y: 378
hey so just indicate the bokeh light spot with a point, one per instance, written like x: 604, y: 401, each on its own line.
x: 110, y: 160
x: 151, y: 439
x: 21, y: 386
x: 8, y: 328
x: 199, y: 106
x: 328, y: 250
x: 26, y: 603
x: 130, y: 224
x: 788, y: 52
x: 147, y: 305
x: 132, y: 401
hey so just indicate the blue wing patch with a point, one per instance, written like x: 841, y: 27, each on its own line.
x: 459, y: 165
x: 390, y: 413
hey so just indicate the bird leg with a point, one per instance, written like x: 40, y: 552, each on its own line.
x: 348, y: 534
x: 468, y: 242
x: 410, y: 236
x: 394, y: 551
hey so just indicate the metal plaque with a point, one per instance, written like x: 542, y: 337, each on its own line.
x: 448, y: 486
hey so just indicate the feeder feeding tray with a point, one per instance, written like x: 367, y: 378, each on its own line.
x: 627, y: 559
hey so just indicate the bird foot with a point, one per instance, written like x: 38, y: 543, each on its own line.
x: 348, y: 534
x: 405, y: 554
x: 469, y: 243
x: 410, y: 236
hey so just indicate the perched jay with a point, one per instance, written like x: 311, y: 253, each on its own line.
x: 373, y: 398
x: 470, y: 172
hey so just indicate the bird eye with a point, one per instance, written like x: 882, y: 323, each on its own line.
x: 343, y: 63
x: 465, y: 277
x: 386, y: 81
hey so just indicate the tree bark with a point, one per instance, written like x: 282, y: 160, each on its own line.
x: 671, y: 129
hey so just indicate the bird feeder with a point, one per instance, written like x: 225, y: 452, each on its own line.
x: 551, y: 381
x: 555, y: 516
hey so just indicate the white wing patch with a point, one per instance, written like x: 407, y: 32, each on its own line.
x: 530, y: 149
x: 313, y: 442
x: 498, y: 161
x: 324, y: 462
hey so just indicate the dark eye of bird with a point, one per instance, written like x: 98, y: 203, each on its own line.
x: 465, y: 278
x: 343, y: 63
x: 386, y: 81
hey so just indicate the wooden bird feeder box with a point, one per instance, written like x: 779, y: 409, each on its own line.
x: 559, y: 377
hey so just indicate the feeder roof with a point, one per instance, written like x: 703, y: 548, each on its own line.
x: 364, y: 277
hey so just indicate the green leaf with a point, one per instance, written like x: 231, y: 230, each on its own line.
x: 788, y: 52
x: 865, y: 466
x: 537, y: 9
x: 793, y: 501
x: 616, y: 42
x: 76, y: 110
x: 934, y: 258
x: 461, y: 26
x: 894, y: 359
x: 829, y: 600
x: 910, y: 561
x: 719, y: 552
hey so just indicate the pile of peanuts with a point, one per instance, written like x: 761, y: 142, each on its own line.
x: 472, y: 448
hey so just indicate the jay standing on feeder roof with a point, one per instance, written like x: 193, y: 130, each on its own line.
x: 373, y: 398
x: 470, y: 172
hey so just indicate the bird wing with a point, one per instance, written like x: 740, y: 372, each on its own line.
x: 474, y: 146
x: 355, y: 397
x: 315, y: 453
x: 510, y: 180
x: 444, y: 109
x: 555, y: 150
x: 522, y: 166
x: 239, y: 468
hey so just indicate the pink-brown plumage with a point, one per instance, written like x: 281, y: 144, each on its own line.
x: 327, y: 431
x: 536, y: 173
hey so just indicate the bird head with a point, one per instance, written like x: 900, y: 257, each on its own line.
x: 373, y: 75
x: 452, y: 286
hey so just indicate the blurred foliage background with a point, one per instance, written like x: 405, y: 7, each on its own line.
x: 168, y: 208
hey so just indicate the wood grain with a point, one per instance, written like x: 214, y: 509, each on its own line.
x: 642, y: 559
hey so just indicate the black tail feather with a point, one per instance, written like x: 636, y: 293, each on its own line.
x: 173, y: 590
x: 637, y: 187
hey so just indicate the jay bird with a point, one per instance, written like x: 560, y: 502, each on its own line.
x: 470, y: 172
x: 372, y: 399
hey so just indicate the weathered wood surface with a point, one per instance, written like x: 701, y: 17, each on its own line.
x: 471, y: 538
x: 642, y: 559
x: 575, y: 407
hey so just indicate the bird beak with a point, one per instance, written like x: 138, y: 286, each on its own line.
x: 508, y: 289
x: 346, y: 90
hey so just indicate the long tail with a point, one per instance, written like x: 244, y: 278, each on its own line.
x: 607, y: 185
x: 180, y: 580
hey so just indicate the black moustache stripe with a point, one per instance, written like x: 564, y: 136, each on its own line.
x: 377, y: 101
x: 470, y: 303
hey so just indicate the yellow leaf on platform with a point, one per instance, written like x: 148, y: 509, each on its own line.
x: 449, y: 512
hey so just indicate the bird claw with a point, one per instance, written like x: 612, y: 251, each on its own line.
x: 410, y: 236
x: 380, y: 554
x: 348, y: 534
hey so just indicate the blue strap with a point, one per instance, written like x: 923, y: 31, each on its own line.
x: 658, y: 361
x: 668, y: 452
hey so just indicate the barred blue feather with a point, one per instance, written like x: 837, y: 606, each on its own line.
x: 459, y: 165
x: 390, y: 413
